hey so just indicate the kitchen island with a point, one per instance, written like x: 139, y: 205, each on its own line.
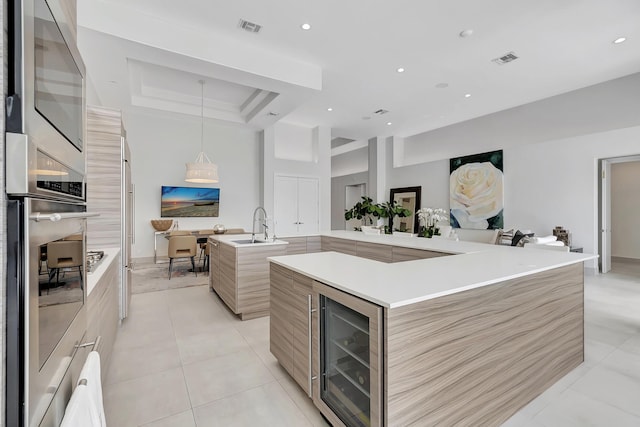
x: 466, y: 336
x: 239, y: 272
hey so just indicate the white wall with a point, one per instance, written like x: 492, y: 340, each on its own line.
x: 161, y: 144
x: 546, y: 184
x: 625, y: 205
x: 278, y: 139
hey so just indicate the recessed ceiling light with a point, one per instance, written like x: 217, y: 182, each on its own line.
x: 400, y: 70
x: 329, y: 109
x: 619, y: 40
x: 442, y: 85
x: 389, y: 123
x: 305, y: 26
x: 466, y: 33
x: 467, y: 95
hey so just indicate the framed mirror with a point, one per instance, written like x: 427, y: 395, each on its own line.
x: 408, y: 198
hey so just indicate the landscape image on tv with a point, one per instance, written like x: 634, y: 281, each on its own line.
x: 189, y: 201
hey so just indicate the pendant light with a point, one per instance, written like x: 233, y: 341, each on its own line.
x: 201, y: 170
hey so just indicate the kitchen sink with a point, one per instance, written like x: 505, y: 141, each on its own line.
x: 247, y: 241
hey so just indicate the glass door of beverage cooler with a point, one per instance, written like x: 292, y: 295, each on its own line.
x: 344, y: 362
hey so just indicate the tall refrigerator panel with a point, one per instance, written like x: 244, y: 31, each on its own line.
x: 128, y: 232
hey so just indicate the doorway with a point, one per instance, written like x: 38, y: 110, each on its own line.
x: 619, y: 201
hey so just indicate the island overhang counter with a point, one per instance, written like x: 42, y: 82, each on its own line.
x: 466, y: 339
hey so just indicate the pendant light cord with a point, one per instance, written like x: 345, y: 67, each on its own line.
x: 202, y: 116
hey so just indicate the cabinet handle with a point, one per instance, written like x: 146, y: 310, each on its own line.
x: 310, y: 311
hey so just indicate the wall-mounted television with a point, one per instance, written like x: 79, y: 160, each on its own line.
x: 178, y: 202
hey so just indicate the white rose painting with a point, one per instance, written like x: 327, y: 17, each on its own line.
x: 476, y: 191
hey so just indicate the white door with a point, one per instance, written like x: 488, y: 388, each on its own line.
x: 308, y: 206
x: 605, y: 226
x: 285, y: 206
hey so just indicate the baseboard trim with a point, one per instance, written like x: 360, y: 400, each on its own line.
x: 625, y: 260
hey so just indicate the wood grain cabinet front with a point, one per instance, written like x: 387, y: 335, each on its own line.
x: 290, y: 323
x: 374, y: 251
x: 400, y: 254
x: 214, y: 266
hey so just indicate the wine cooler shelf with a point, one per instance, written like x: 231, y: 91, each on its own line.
x: 354, y: 408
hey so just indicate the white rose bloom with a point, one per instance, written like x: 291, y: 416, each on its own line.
x: 477, y: 190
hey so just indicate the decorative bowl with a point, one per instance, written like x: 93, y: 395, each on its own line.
x: 161, y: 224
x: 219, y: 229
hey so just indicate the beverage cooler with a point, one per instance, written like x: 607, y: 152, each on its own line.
x: 350, y: 362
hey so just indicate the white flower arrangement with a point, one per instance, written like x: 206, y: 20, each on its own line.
x: 431, y: 216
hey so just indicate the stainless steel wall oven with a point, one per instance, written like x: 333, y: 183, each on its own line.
x: 46, y: 212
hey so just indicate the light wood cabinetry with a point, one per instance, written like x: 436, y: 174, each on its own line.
x: 314, y: 244
x: 297, y: 245
x: 400, y: 254
x: 214, y: 265
x: 469, y: 358
x: 102, y: 312
x: 242, y: 280
x: 374, y: 251
x: 290, y: 323
x: 302, y: 244
x: 334, y: 244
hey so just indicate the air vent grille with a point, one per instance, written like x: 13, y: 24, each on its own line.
x: 506, y: 58
x: 251, y: 27
x: 381, y: 111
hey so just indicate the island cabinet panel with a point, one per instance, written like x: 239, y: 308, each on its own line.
x: 301, y: 320
x: 252, y: 279
x: 214, y: 266
x: 400, y: 254
x: 102, y: 312
x: 227, y: 265
x: 314, y: 244
x: 280, y: 324
x: 297, y: 245
x: 344, y: 246
x: 374, y: 251
x: 476, y: 357
x: 290, y: 323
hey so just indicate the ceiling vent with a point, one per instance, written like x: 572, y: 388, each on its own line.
x: 249, y: 26
x: 381, y: 112
x: 507, y: 57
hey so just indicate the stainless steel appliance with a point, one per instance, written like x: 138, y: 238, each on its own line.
x: 128, y: 231
x: 46, y: 212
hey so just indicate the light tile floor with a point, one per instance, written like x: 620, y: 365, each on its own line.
x: 183, y: 360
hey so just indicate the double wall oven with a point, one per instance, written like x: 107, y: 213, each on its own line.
x: 46, y: 213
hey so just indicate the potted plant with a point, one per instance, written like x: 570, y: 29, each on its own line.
x: 430, y: 218
x: 391, y: 210
x: 364, y: 210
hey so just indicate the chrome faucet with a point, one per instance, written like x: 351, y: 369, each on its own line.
x: 264, y: 224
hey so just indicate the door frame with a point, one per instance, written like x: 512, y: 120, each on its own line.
x: 604, y: 208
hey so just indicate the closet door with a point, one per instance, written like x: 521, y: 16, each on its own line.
x: 285, y: 206
x: 296, y: 203
x: 308, y: 206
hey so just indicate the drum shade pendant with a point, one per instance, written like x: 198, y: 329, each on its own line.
x: 201, y: 170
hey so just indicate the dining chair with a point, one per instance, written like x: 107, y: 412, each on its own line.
x: 182, y: 247
x: 203, y: 245
x: 64, y: 254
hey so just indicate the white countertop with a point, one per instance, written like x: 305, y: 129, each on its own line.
x: 397, y: 284
x: 229, y: 239
x: 110, y: 255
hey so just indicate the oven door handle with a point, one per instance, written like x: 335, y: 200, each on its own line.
x: 54, y: 217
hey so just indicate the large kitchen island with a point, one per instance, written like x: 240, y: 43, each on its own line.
x: 386, y: 331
